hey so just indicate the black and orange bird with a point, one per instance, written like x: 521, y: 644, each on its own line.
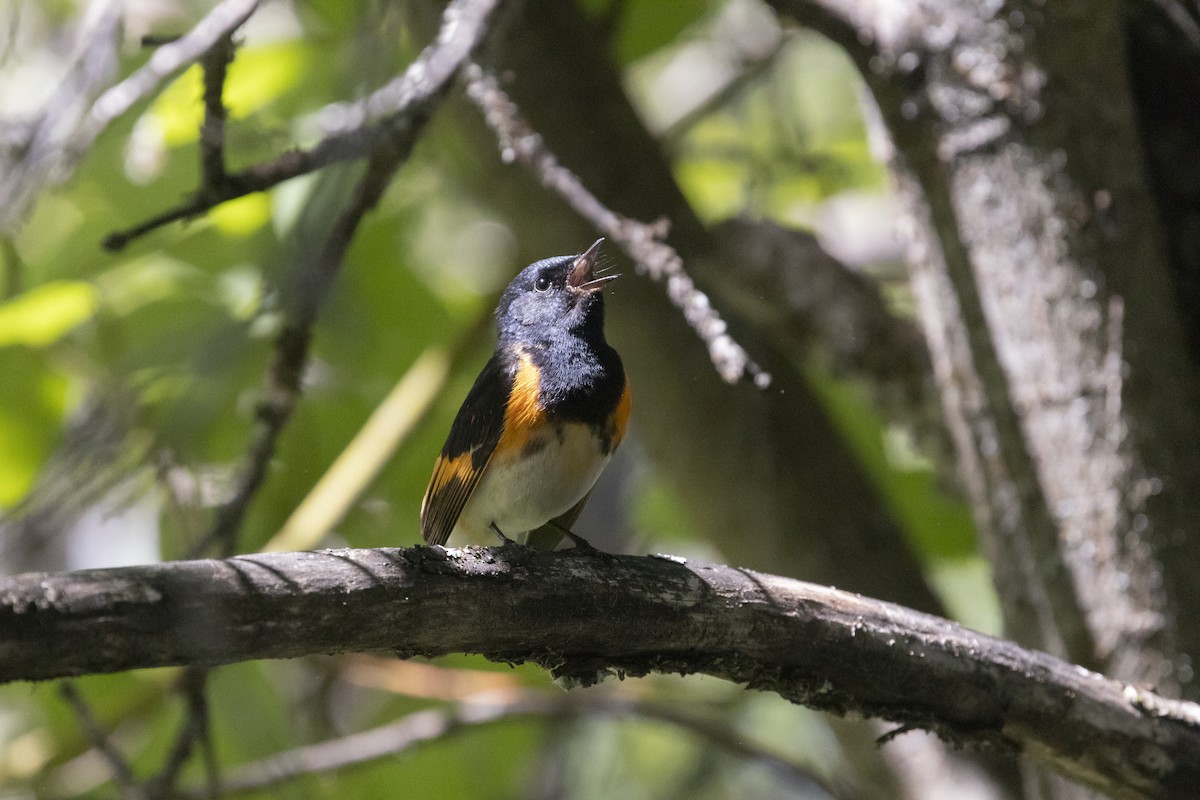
x: 543, y: 418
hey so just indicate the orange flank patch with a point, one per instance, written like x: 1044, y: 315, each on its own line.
x: 620, y: 417
x: 523, y: 416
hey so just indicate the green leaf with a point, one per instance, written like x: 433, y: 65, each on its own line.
x: 45, y: 314
x: 242, y: 216
x: 257, y: 76
x: 647, y: 25
x: 33, y: 402
x: 938, y: 525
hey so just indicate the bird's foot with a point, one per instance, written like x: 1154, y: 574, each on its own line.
x: 584, y: 546
x: 504, y: 540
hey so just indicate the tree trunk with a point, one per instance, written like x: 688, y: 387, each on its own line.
x: 1044, y: 288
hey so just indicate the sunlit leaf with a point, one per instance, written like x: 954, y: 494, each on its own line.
x: 716, y: 189
x: 243, y: 216
x: 257, y: 76
x: 47, y: 313
x: 33, y: 400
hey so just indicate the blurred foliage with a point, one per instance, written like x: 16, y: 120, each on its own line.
x: 183, y: 322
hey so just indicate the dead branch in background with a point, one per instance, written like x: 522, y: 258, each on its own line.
x: 488, y: 708
x: 585, y: 618
x: 31, y: 150
x: 126, y: 781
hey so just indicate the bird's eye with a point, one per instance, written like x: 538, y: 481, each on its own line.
x: 542, y: 284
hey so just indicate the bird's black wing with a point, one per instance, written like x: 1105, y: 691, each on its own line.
x: 470, y: 445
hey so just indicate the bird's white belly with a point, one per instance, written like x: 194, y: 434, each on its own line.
x: 525, y: 490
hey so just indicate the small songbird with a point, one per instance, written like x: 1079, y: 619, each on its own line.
x: 543, y: 418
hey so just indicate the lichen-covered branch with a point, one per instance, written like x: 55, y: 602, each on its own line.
x: 583, y: 617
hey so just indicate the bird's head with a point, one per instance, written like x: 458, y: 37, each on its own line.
x: 554, y: 295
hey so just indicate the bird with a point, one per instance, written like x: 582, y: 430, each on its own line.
x: 541, y: 421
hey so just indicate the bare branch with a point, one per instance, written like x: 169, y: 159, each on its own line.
x: 586, y: 617
x: 212, y: 131
x: 645, y: 244
x: 488, y: 708
x: 396, y: 111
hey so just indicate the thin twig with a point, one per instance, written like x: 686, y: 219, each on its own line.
x: 644, y: 243
x: 195, y: 729
x: 212, y: 131
x: 490, y: 708
x: 257, y: 178
x: 122, y: 773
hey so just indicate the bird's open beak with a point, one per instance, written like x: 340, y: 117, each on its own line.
x: 581, y: 277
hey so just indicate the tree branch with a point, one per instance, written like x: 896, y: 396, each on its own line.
x: 212, y: 131
x: 31, y: 150
x: 585, y: 617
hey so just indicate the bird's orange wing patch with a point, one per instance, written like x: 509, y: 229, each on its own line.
x: 468, y: 448
x: 453, y: 481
